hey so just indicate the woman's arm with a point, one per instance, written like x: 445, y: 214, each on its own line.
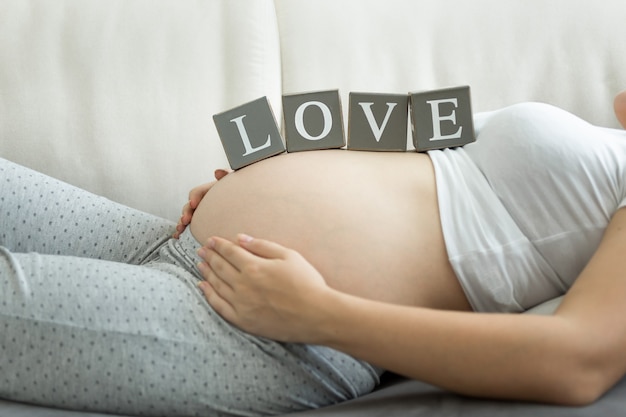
x: 620, y: 108
x: 572, y: 357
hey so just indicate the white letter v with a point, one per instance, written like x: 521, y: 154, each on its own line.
x: 376, y: 130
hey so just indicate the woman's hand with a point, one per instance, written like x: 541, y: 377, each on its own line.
x: 620, y: 108
x: 263, y: 288
x: 195, y: 196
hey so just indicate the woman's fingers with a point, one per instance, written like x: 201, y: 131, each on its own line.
x: 620, y: 108
x: 219, y: 264
x: 232, y: 253
x: 187, y: 213
x: 195, y: 196
x: 219, y: 301
x: 247, y: 251
x: 262, y: 248
x: 221, y: 173
x: 222, y: 259
x: 197, y: 193
x: 183, y: 221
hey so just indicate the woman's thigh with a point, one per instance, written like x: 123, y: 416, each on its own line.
x: 44, y: 215
x: 98, y: 335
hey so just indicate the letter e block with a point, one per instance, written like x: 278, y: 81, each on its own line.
x: 442, y: 118
x: 377, y: 122
x: 249, y: 133
x: 313, y: 121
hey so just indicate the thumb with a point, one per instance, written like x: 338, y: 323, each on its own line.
x: 261, y: 247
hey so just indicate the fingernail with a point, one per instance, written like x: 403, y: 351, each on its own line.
x: 210, y: 243
x: 201, y: 252
x: 245, y: 238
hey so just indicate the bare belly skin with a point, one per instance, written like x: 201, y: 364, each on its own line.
x: 368, y: 221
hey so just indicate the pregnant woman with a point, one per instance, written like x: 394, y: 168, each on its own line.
x: 101, y: 310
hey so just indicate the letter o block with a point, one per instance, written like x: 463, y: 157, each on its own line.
x: 249, y: 133
x: 313, y: 121
x: 442, y: 118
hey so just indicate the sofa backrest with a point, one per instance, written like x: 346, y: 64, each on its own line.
x: 570, y: 53
x: 117, y: 96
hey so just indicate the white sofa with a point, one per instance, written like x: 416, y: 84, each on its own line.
x: 117, y: 96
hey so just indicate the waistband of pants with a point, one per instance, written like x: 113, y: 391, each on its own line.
x: 182, y: 252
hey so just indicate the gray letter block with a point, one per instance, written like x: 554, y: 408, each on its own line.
x: 377, y: 122
x: 442, y: 118
x: 249, y: 133
x: 313, y: 121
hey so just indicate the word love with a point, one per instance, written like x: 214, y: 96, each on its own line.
x: 376, y: 122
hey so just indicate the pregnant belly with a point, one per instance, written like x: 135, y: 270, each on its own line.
x: 367, y: 221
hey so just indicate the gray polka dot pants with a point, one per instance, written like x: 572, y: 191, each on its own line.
x: 99, y: 311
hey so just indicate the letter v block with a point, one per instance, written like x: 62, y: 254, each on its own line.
x: 442, y: 118
x: 377, y: 122
x: 249, y: 133
x: 313, y: 121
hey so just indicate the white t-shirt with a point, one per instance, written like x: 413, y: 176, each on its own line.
x: 524, y: 207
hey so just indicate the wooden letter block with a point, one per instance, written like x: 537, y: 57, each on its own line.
x: 442, y: 118
x: 377, y: 122
x: 313, y: 121
x: 249, y: 133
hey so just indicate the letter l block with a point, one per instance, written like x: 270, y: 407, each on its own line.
x: 442, y: 118
x: 249, y: 133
